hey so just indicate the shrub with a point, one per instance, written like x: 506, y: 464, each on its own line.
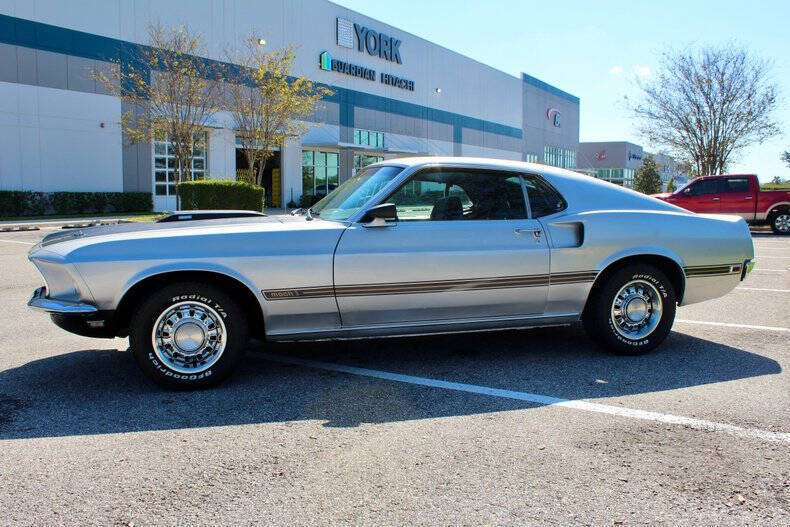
x: 69, y: 203
x: 224, y: 194
x: 308, y: 200
x: 12, y: 202
x: 130, y: 201
x: 36, y: 203
x: 28, y: 203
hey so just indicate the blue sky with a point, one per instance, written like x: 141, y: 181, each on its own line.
x: 597, y: 51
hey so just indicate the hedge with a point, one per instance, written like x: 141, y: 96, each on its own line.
x: 206, y: 194
x: 28, y: 203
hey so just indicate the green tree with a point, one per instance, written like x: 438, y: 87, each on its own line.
x: 173, y: 95
x: 647, y: 180
x: 272, y: 105
x: 786, y: 157
x: 671, y: 184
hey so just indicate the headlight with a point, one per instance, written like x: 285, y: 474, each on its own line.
x: 59, y: 278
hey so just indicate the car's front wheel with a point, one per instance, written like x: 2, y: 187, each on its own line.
x: 632, y: 311
x: 188, y: 335
x: 780, y: 222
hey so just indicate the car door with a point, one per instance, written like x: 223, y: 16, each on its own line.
x: 463, y: 247
x: 736, y: 198
x: 703, y: 196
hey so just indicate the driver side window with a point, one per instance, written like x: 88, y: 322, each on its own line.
x: 706, y: 186
x: 460, y: 194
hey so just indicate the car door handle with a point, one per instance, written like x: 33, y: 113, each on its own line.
x: 716, y: 199
x: 748, y: 197
x: 535, y: 232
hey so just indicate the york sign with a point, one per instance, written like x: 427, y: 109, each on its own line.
x: 375, y: 43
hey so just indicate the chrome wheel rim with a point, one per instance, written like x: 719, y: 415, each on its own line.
x: 189, y: 337
x: 782, y: 223
x: 636, y: 310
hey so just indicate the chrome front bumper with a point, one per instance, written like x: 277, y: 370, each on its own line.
x: 40, y: 302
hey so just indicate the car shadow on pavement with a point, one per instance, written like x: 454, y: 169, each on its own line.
x: 102, y: 391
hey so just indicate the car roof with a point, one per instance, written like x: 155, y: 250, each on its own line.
x: 487, y: 162
x: 481, y: 162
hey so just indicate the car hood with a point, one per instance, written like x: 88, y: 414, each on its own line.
x: 68, y: 240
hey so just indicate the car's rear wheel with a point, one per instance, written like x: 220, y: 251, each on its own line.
x: 188, y: 335
x: 780, y: 222
x: 632, y: 311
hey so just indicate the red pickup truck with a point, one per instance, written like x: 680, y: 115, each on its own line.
x: 736, y: 194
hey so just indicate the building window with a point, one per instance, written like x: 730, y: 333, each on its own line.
x: 619, y: 176
x: 362, y: 160
x: 369, y: 138
x: 319, y: 173
x: 531, y: 158
x: 559, y: 157
x: 165, y: 164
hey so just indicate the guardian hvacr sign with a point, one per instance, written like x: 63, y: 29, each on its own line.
x: 329, y: 64
x: 372, y: 42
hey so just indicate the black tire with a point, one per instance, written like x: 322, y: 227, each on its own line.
x: 202, y: 305
x: 779, y: 222
x: 602, y: 328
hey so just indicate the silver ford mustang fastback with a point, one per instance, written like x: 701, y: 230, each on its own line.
x: 405, y: 247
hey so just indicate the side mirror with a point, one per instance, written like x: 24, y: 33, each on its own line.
x: 379, y: 214
x: 687, y: 191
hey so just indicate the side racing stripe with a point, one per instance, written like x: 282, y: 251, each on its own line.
x: 438, y: 286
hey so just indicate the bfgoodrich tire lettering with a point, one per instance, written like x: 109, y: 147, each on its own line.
x: 633, y: 311
x: 188, y: 335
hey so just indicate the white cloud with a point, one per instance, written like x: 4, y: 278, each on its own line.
x: 642, y: 71
x: 615, y: 70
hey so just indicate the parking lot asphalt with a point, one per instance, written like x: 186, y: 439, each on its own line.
x: 517, y: 427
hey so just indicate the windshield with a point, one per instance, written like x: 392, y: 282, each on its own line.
x: 684, y: 187
x: 345, y: 200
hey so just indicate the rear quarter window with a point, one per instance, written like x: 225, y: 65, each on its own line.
x: 543, y: 198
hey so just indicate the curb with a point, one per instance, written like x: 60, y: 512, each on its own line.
x: 19, y: 228
x: 92, y: 224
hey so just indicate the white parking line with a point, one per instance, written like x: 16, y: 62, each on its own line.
x: 763, y: 289
x: 769, y: 270
x: 697, y: 424
x: 728, y: 325
x: 17, y: 241
x: 763, y: 257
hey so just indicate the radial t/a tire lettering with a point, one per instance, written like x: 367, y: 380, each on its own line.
x: 188, y: 335
x: 632, y: 311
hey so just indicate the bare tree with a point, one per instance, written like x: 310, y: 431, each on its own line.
x: 706, y: 105
x: 173, y: 92
x: 271, y: 105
